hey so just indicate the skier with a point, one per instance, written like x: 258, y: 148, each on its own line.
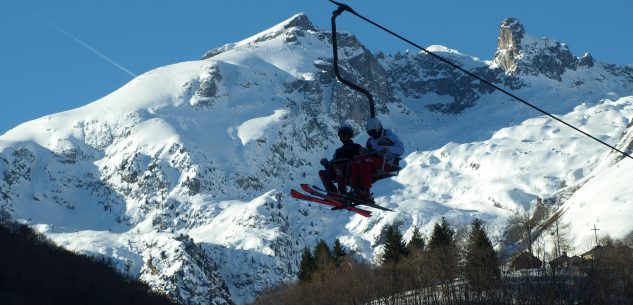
x: 337, y: 169
x: 384, y: 150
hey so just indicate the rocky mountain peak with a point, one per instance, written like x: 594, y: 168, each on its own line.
x: 519, y: 53
x: 511, y: 32
x: 586, y: 60
x: 292, y: 27
x: 300, y: 21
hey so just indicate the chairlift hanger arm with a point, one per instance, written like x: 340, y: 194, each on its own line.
x: 341, y: 8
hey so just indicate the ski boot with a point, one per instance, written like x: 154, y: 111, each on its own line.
x: 363, y: 195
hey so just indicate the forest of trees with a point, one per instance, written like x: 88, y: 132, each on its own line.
x: 35, y: 271
x: 439, y: 269
x: 444, y: 270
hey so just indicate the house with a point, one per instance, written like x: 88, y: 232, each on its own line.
x: 560, y: 262
x: 565, y: 262
x: 577, y: 261
x: 608, y: 252
x: 525, y: 260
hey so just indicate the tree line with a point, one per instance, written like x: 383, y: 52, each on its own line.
x: 444, y: 270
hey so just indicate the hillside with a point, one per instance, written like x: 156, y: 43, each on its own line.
x: 35, y: 271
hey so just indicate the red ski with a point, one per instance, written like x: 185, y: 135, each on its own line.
x: 327, y: 201
x: 344, y: 200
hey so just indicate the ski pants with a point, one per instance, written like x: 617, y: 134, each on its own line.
x: 336, y: 172
x: 363, y: 169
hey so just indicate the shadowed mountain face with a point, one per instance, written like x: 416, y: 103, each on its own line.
x: 34, y: 271
x: 181, y: 176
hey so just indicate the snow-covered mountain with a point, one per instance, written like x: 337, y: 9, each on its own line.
x: 181, y: 176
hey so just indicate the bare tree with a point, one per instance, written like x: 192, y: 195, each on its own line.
x: 528, y: 221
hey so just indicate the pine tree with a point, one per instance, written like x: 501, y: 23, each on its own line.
x: 338, y: 251
x: 443, y: 252
x: 307, y: 265
x: 395, y: 248
x: 442, y: 236
x: 482, y: 264
x: 323, y: 258
x: 416, y: 244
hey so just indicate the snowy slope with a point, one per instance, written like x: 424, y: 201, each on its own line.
x: 604, y: 201
x: 182, y: 175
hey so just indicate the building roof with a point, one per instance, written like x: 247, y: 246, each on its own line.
x: 525, y: 260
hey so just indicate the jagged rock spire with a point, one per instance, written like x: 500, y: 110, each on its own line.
x: 511, y: 32
x: 520, y: 53
x: 586, y: 60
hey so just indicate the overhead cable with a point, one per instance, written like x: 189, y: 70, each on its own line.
x: 344, y: 7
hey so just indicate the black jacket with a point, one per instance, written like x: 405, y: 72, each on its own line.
x: 349, y: 150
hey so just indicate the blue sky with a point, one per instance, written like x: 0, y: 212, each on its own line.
x: 60, y: 55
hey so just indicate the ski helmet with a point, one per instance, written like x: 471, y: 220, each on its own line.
x: 346, y: 130
x: 373, y: 127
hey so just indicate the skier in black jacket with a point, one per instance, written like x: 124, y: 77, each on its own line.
x: 338, y: 168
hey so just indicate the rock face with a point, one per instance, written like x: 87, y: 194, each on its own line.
x: 520, y: 53
x: 586, y: 61
x: 294, y: 27
x: 184, y: 270
x: 181, y: 175
x: 421, y: 74
x: 511, y: 33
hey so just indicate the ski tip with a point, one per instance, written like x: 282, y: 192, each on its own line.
x: 294, y: 193
x: 368, y: 214
x: 355, y: 210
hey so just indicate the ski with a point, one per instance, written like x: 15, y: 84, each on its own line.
x: 313, y: 190
x: 324, y: 192
x: 298, y: 195
x: 343, y: 201
x: 354, y: 201
x: 375, y: 206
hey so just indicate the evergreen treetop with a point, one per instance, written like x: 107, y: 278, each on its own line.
x: 481, y: 268
x: 443, y: 235
x: 307, y: 265
x: 395, y: 248
x: 322, y: 254
x: 417, y: 241
x: 337, y: 250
